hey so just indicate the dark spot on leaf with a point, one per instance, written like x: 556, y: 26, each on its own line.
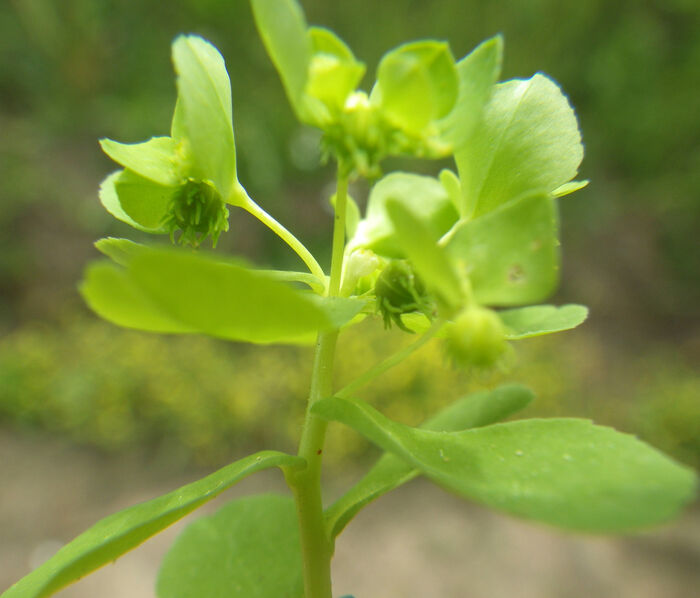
x: 516, y: 274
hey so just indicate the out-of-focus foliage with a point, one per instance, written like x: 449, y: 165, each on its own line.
x: 74, y: 71
x: 196, y: 399
x: 78, y: 70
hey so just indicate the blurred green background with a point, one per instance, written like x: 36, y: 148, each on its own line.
x: 77, y: 70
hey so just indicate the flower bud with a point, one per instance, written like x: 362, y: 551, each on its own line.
x: 198, y: 211
x: 476, y: 337
x: 360, y: 272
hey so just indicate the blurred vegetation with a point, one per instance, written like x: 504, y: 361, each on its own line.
x: 77, y: 70
x: 197, y: 400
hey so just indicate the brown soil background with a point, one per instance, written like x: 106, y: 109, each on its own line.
x: 418, y: 542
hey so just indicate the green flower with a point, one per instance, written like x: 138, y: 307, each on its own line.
x: 180, y: 184
x: 417, y: 87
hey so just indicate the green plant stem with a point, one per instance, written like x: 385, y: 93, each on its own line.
x: 391, y: 361
x: 316, y: 544
x: 248, y: 204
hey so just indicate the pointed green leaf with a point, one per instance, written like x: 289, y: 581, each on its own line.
x: 204, y: 95
x: 511, y: 254
x: 473, y: 411
x: 527, y: 139
x: 113, y: 536
x: 153, y: 159
x: 536, y: 320
x: 565, y: 472
x: 568, y: 188
x: 426, y: 197
x: 173, y: 291
x: 283, y: 30
x: 416, y: 84
x: 478, y: 71
x: 430, y: 261
x: 247, y: 549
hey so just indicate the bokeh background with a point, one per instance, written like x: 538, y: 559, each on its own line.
x: 93, y: 416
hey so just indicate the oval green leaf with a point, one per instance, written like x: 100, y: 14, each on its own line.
x: 144, y: 201
x: 527, y: 139
x: 111, y: 202
x: 165, y: 290
x: 473, y: 411
x: 113, y: 295
x: 247, y: 549
x: 564, y: 472
x: 416, y: 84
x: 536, y: 320
x: 510, y: 255
x: 113, y: 536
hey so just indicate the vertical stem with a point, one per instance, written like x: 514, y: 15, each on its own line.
x: 316, y: 546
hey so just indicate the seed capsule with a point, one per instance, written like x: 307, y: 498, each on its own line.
x: 476, y: 338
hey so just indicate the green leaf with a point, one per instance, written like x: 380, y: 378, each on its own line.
x: 113, y: 295
x: 473, y: 411
x: 452, y: 185
x: 173, y: 291
x: 430, y: 261
x: 283, y: 30
x: 564, y: 472
x: 120, y: 251
x: 536, y: 320
x: 144, y: 201
x: 306, y: 278
x: 177, y: 125
x: 478, y: 71
x: 204, y: 94
x: 333, y: 70
x: 113, y: 536
x: 247, y: 549
x: 153, y: 159
x: 527, y: 139
x: 425, y: 196
x: 568, y: 188
x: 511, y: 254
x: 416, y: 84
x: 110, y: 200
